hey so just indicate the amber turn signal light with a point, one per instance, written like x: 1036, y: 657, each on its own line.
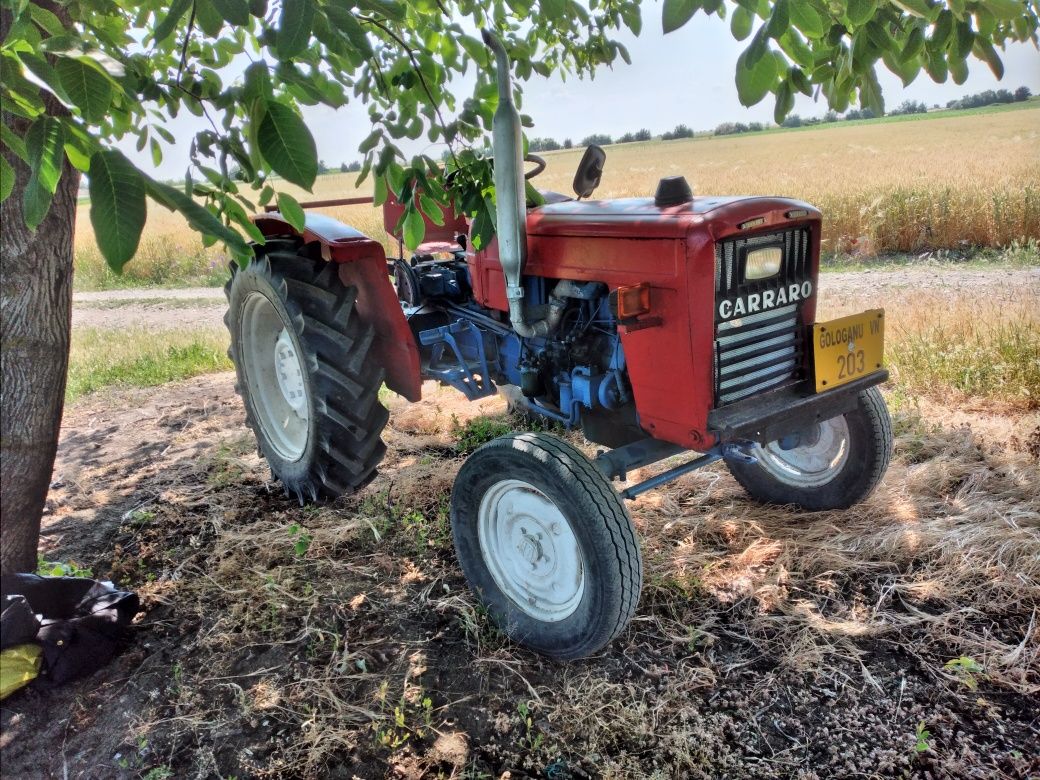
x: 631, y: 301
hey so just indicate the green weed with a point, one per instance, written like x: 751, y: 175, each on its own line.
x: 300, y: 538
x: 922, y: 735
x: 964, y: 669
x: 61, y: 569
x: 473, y: 433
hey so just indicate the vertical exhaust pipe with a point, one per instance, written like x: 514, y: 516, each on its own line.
x: 511, y: 200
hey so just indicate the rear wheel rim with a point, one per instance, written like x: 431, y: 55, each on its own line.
x: 275, y: 377
x: 531, y: 551
x: 815, y: 462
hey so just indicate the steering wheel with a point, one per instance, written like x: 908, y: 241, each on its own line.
x: 539, y: 165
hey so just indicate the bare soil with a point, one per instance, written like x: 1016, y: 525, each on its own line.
x: 899, y: 638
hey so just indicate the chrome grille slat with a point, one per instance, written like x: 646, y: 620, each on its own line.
x: 769, y: 358
x: 763, y: 351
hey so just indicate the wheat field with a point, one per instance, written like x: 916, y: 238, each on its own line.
x: 954, y: 182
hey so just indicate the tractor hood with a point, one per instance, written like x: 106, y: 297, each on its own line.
x: 641, y: 218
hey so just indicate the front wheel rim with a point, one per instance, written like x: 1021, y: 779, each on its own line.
x: 531, y: 551
x: 812, y: 464
x: 274, y: 374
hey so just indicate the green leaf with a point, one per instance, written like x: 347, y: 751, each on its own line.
x: 796, y: 48
x: 292, y: 211
x: 935, y: 65
x: 43, y: 70
x: 380, y: 192
x: 431, y: 209
x: 860, y: 11
x: 907, y: 70
x: 799, y: 81
x: 345, y: 21
x: 784, y: 102
x: 554, y: 9
x: 959, y: 71
x: 1005, y: 9
x: 370, y: 142
x: 47, y: 21
x: 6, y: 179
x: 169, y: 23
x: 11, y: 140
x: 919, y: 8
x: 941, y: 31
x: 984, y: 51
x: 44, y: 143
x: 779, y: 19
x: 117, y: 206
x: 391, y: 9
x: 870, y: 93
x: 414, y: 227
x: 755, y: 81
x: 294, y: 28
x: 806, y: 18
x: 234, y: 11
x: 914, y: 45
x: 199, y: 218
x: 208, y: 18
x: 287, y: 145
x: 677, y: 13
x: 87, y: 87
x: 963, y: 41
x: 156, y: 152
x: 740, y: 23
x: 985, y: 21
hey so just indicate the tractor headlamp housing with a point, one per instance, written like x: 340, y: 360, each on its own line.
x: 763, y: 262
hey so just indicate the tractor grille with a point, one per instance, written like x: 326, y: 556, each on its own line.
x: 763, y: 350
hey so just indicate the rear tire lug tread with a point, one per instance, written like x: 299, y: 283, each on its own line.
x: 350, y: 448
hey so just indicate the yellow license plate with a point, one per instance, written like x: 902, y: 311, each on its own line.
x: 848, y: 348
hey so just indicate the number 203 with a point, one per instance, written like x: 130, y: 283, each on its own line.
x: 851, y: 364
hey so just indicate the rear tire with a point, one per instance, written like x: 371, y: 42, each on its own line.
x: 305, y: 373
x: 840, y: 465
x: 547, y: 544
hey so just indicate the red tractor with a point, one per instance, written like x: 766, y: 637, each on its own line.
x: 656, y: 326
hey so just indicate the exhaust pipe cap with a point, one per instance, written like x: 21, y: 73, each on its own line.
x: 672, y: 191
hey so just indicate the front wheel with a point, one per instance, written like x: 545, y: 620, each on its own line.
x: 547, y: 544
x: 833, y: 465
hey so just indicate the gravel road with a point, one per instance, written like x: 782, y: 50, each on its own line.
x: 197, y: 307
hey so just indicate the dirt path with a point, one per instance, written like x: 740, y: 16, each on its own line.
x: 204, y: 306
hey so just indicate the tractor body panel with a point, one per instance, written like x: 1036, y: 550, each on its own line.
x: 669, y: 352
x: 362, y: 263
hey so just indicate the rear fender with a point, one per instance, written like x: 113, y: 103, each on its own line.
x: 362, y: 263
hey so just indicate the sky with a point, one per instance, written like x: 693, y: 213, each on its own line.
x: 685, y: 77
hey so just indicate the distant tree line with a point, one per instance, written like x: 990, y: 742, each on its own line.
x: 990, y: 97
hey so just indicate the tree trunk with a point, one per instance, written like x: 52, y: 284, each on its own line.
x: 35, y: 323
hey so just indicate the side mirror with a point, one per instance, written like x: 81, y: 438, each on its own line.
x: 589, y: 172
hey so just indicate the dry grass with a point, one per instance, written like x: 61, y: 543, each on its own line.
x: 883, y: 187
x: 367, y: 647
x: 959, y: 347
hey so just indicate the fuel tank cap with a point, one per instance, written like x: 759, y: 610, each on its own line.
x: 672, y: 191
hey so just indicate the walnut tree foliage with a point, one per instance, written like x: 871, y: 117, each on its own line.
x: 123, y: 68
